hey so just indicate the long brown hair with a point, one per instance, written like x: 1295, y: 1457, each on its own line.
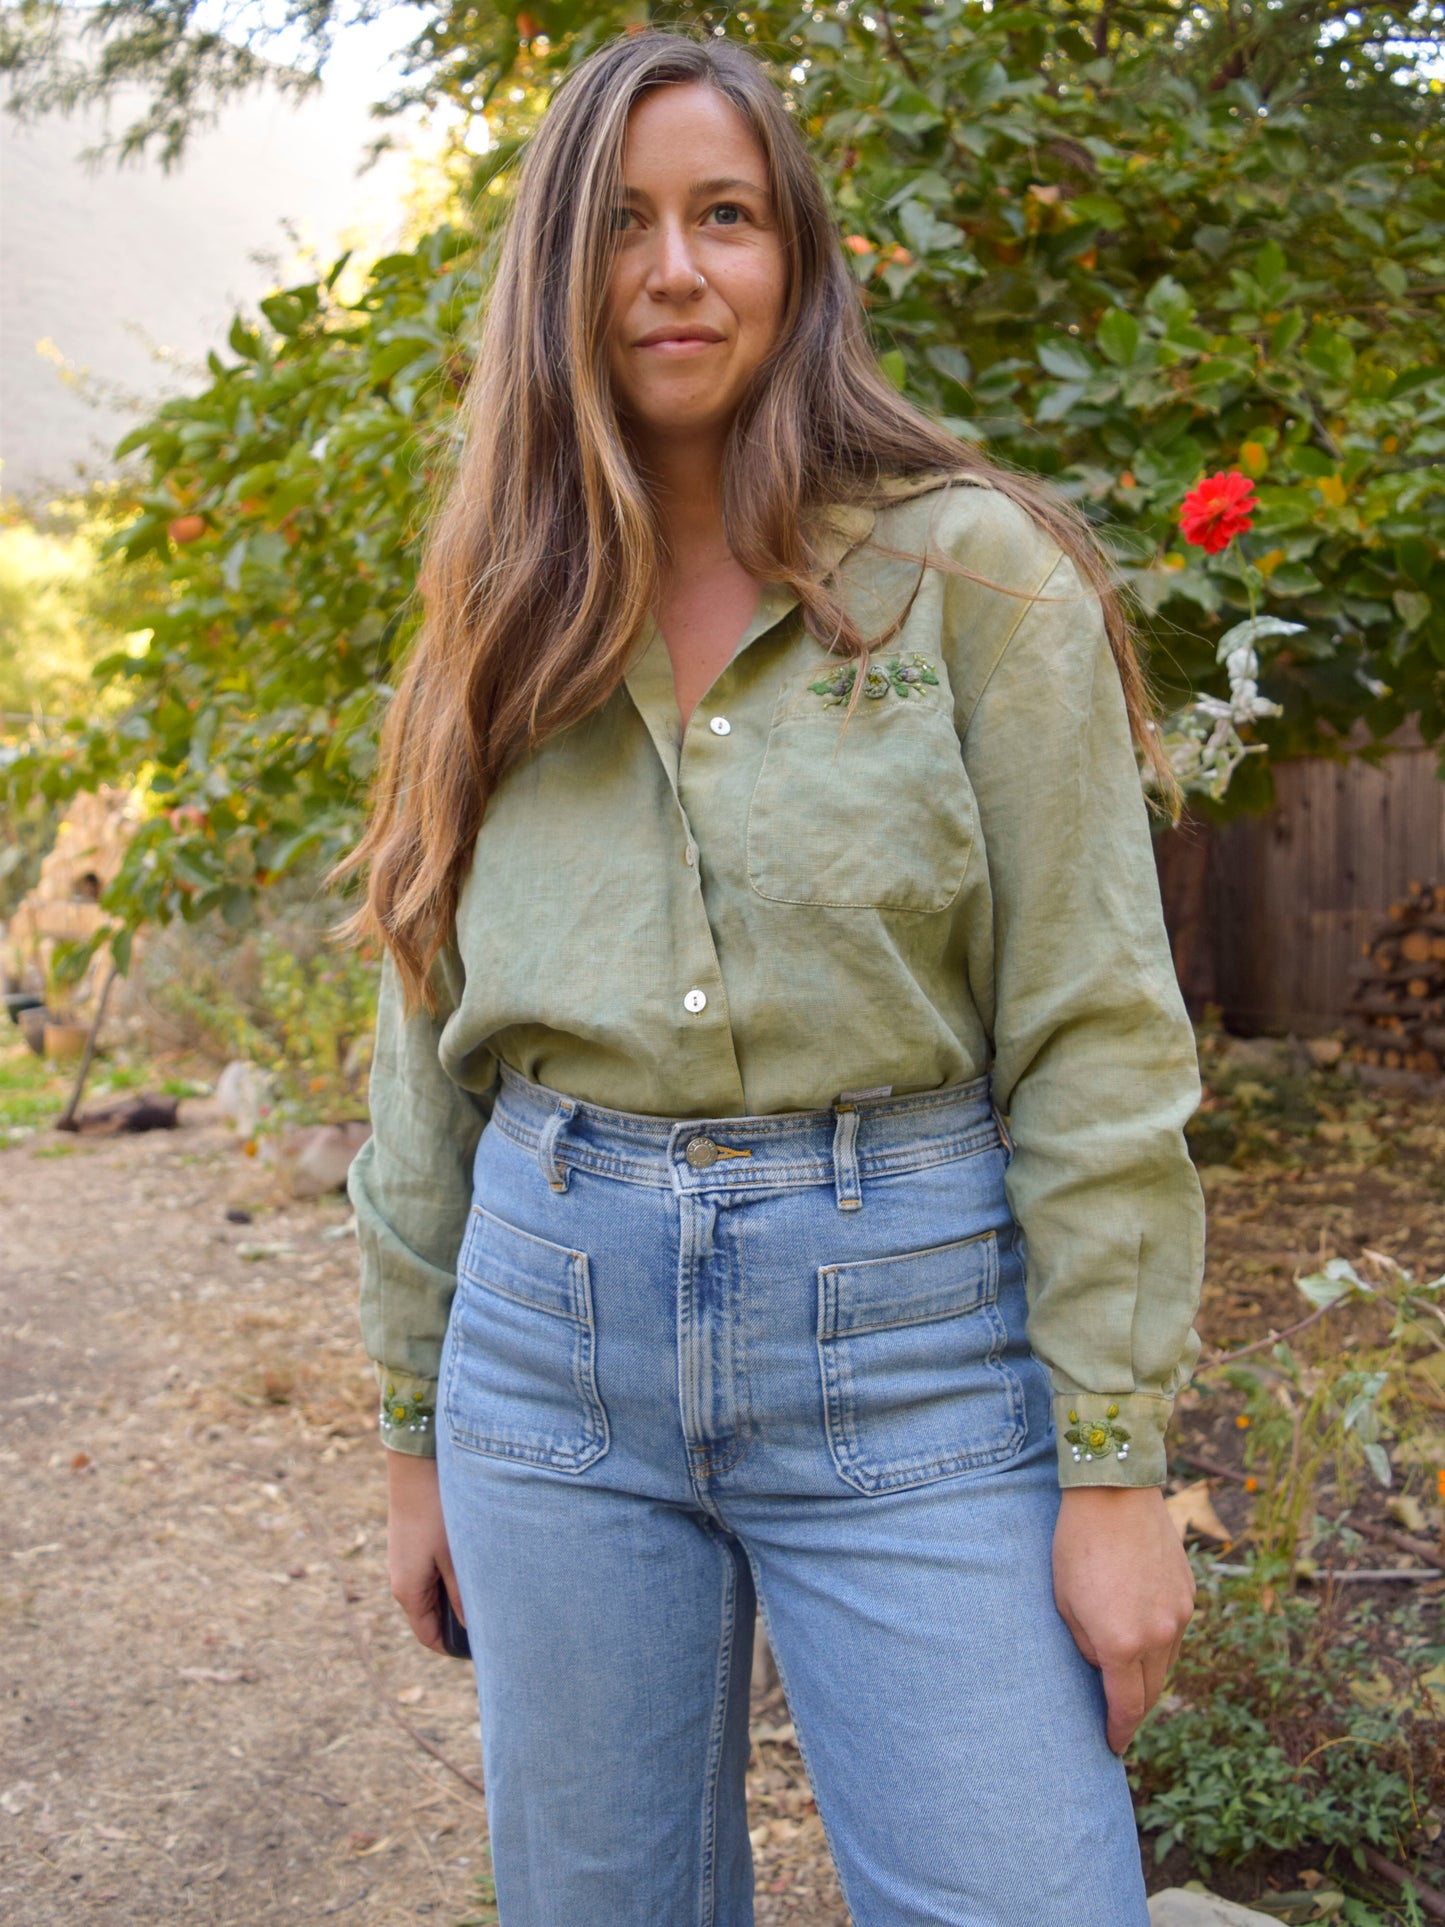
x: 543, y: 559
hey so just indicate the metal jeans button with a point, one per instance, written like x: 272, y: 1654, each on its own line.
x: 701, y: 1152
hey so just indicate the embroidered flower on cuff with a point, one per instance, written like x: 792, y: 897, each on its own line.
x: 410, y: 1413
x: 1097, y: 1438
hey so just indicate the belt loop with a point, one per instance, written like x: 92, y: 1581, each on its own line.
x: 552, y: 1170
x: 845, y: 1158
x: 1004, y: 1134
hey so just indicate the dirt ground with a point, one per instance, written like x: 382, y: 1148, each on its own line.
x: 205, y: 1673
x: 211, y: 1706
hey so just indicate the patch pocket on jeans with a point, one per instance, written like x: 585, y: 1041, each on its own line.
x: 914, y: 1383
x: 521, y: 1378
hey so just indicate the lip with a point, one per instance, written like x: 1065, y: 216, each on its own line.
x: 681, y: 339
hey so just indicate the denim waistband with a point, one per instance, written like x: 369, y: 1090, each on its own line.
x: 857, y: 1138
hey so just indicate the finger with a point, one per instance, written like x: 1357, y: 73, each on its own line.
x: 1124, y: 1691
x: 1080, y: 1637
x: 1156, y: 1670
x: 424, y: 1616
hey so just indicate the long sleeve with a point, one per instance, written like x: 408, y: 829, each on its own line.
x: 411, y: 1188
x: 1095, y: 1062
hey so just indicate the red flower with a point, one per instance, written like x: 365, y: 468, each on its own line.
x: 1217, y: 510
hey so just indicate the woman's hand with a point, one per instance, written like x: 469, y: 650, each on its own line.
x: 1124, y: 1587
x: 416, y: 1546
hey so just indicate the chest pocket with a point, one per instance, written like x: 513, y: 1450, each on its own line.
x: 877, y: 816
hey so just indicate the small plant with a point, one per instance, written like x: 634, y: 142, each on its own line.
x: 483, y: 1912
x: 1265, y: 1742
x: 1300, y: 1418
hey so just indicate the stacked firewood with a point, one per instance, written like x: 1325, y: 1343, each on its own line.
x: 1397, y: 1001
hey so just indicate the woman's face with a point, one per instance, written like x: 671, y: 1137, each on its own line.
x: 695, y: 202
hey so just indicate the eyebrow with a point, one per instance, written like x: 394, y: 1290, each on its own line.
x: 717, y: 185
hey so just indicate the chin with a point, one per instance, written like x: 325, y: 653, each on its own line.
x: 664, y: 418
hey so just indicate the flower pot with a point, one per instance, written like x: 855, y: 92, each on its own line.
x: 64, y: 1042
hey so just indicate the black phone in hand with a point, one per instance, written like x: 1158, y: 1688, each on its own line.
x: 454, y: 1633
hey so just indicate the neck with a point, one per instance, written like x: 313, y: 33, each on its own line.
x: 685, y: 478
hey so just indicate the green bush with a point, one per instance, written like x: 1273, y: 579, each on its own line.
x: 1122, y: 245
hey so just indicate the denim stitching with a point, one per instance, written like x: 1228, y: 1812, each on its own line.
x: 840, y: 1405
x: 708, y: 1896
x: 779, y: 1173
x: 595, y: 1436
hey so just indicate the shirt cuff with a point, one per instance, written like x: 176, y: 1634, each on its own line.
x: 407, y: 1418
x: 1115, y: 1440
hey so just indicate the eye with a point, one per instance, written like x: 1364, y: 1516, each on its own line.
x: 620, y: 213
x: 735, y: 206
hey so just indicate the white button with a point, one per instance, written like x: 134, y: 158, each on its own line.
x: 691, y: 856
x: 720, y: 726
x: 695, y: 1000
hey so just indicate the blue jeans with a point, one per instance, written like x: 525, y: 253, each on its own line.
x: 693, y: 1369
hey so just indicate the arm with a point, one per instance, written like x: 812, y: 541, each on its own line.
x: 1097, y: 1071
x: 411, y: 1185
x: 1095, y: 1062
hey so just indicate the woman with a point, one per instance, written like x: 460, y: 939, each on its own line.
x: 758, y: 825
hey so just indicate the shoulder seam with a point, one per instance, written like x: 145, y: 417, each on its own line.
x: 1026, y: 604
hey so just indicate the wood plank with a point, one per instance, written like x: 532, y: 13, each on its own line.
x: 1289, y: 899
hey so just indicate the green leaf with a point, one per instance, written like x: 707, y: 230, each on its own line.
x: 1412, y: 607
x: 1286, y: 332
x: 244, y: 341
x: 1338, y: 1280
x: 1392, y: 277
x: 950, y: 362
x: 1408, y: 379
x: 1168, y: 302
x: 1119, y: 336
x: 1099, y: 208
x: 1066, y: 359
x: 1270, y: 268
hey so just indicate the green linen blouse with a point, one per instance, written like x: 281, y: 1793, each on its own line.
x: 765, y: 910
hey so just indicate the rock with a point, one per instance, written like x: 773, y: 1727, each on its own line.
x: 244, y: 1094
x: 1181, y: 1907
x: 1324, y: 1052
x: 313, y: 1159
x: 1254, y: 1053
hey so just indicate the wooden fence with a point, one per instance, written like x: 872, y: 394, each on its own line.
x: 1267, y: 914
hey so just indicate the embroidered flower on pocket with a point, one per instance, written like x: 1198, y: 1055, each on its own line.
x: 904, y: 678
x: 411, y: 1412
x: 1097, y: 1438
